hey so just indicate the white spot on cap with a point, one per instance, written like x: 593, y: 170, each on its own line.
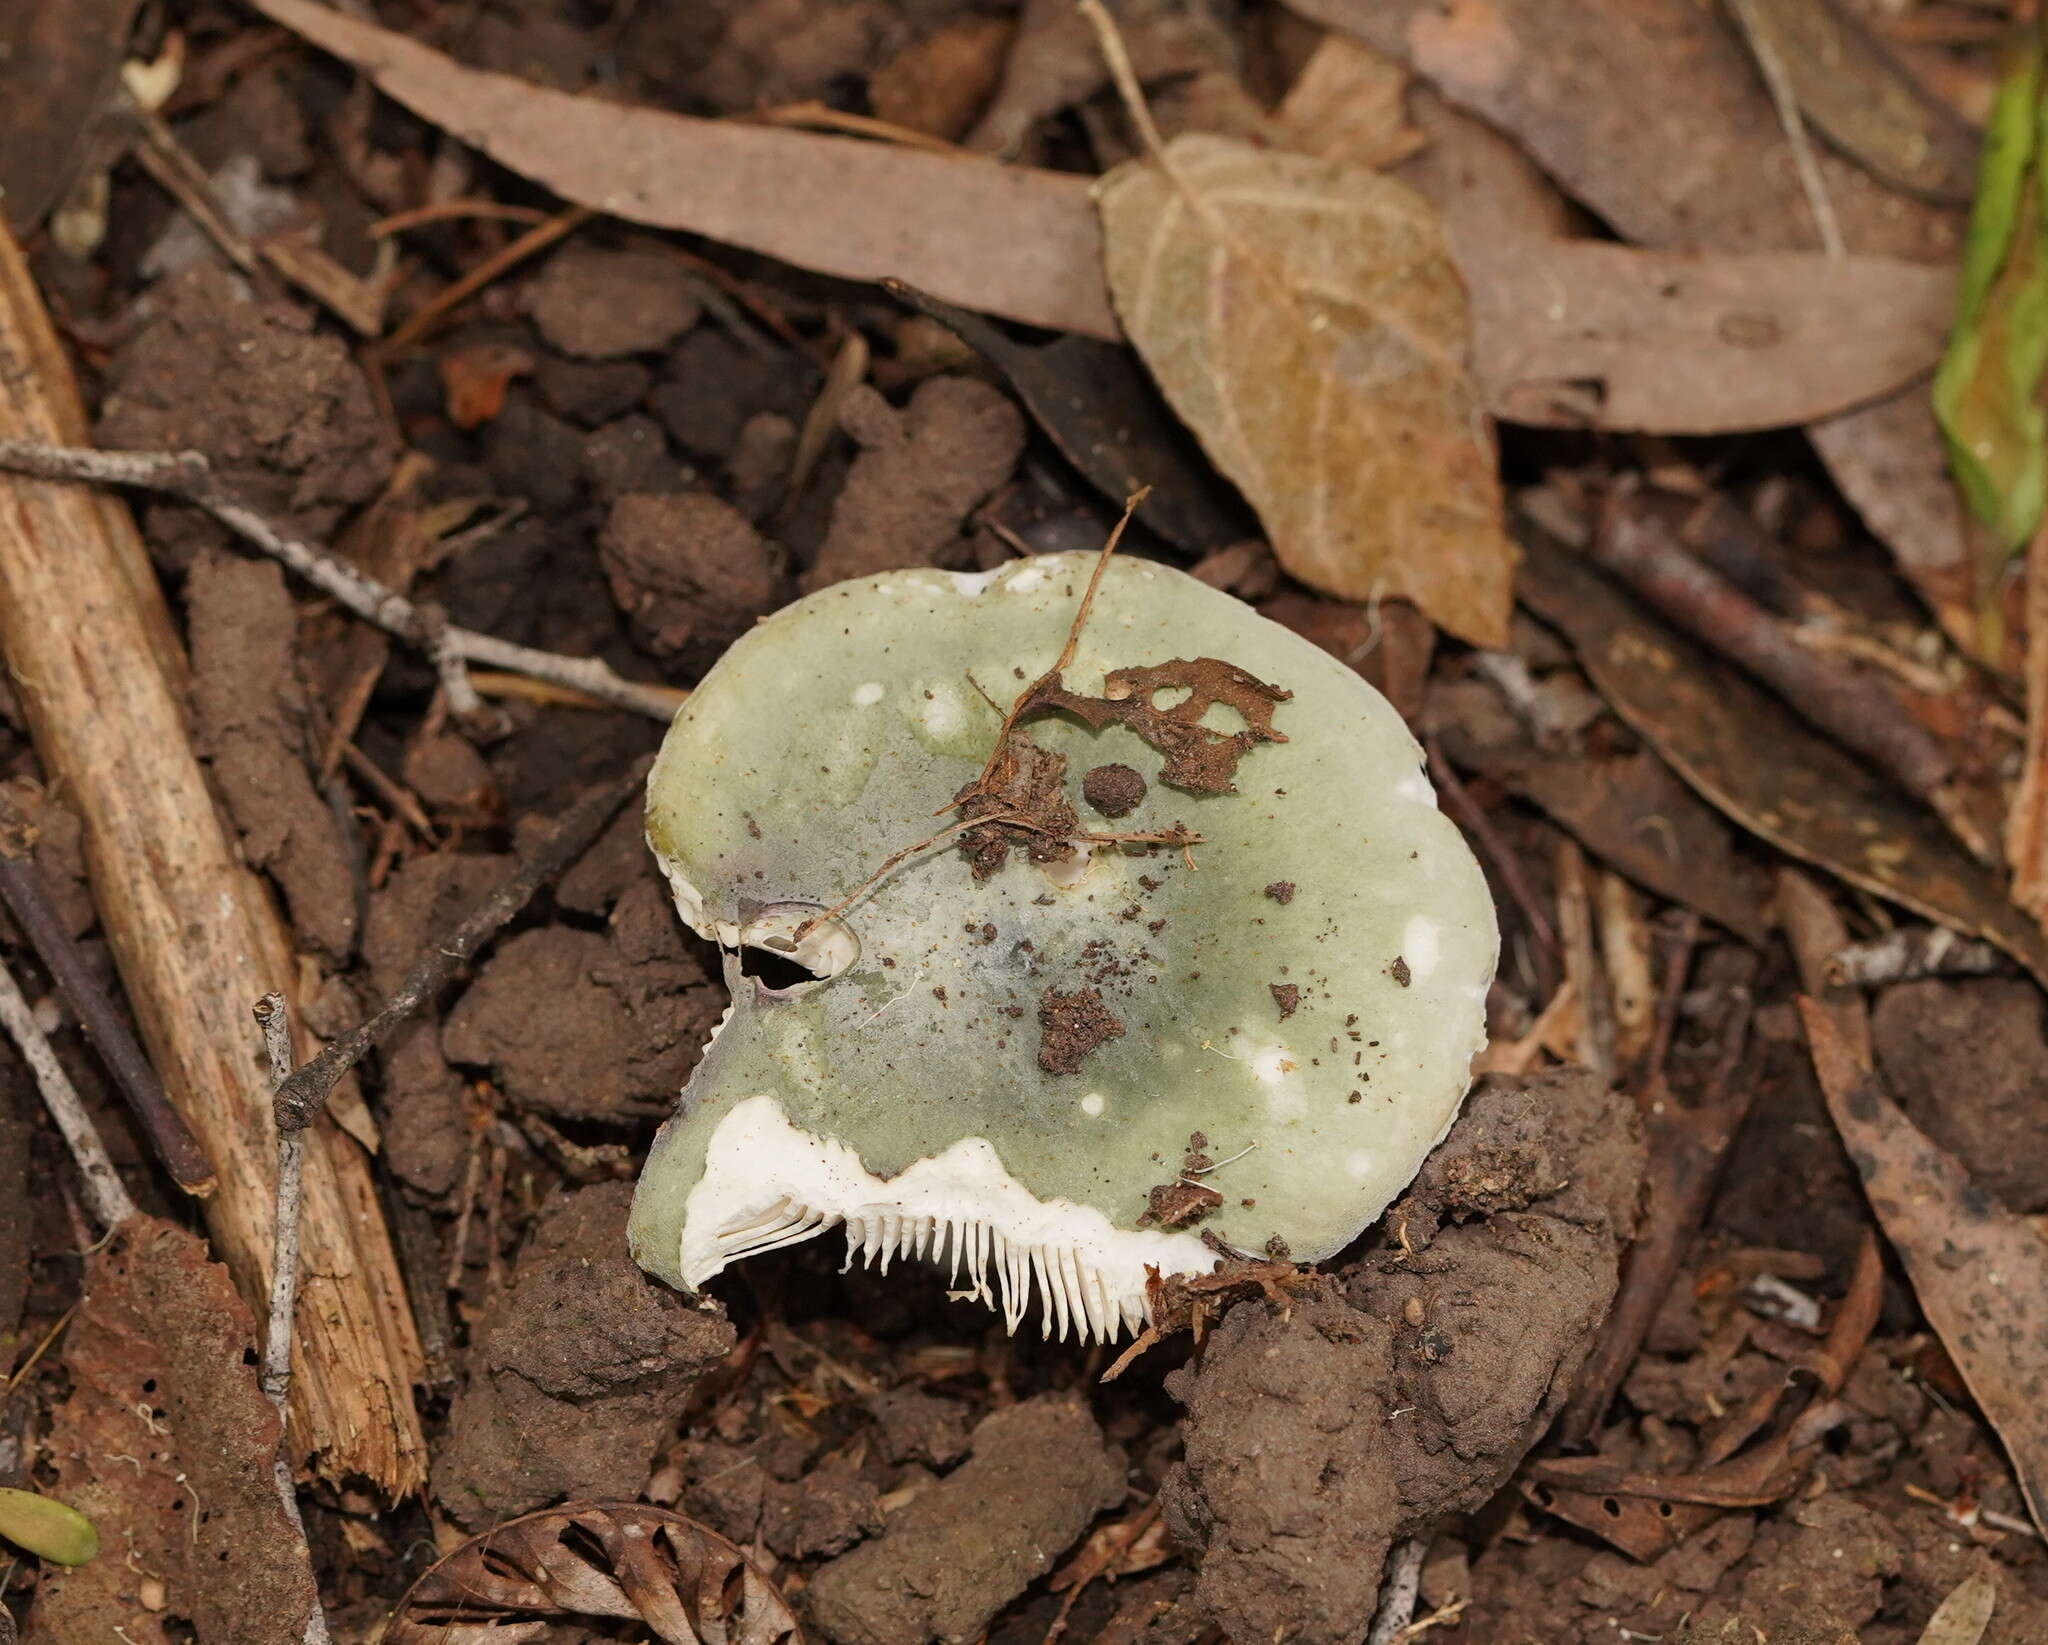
x: 942, y: 712
x: 1093, y: 1104
x: 1271, y: 1067
x: 1413, y: 785
x: 1026, y: 580
x: 866, y: 696
x: 1419, y: 945
x: 1359, y: 1163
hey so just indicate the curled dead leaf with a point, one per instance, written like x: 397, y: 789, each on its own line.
x: 625, y: 1560
x: 1306, y: 320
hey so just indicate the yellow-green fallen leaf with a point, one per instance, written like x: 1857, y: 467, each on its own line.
x: 1305, y: 319
x: 47, y: 1529
x: 1987, y: 390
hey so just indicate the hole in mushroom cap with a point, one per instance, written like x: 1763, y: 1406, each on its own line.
x: 773, y: 970
x: 783, y: 964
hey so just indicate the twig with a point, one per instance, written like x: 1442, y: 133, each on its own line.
x: 438, y: 307
x: 1398, y: 1591
x: 490, y: 683
x: 1911, y: 952
x: 1689, y: 1144
x: 1786, y: 100
x: 28, y: 899
x: 103, y: 1188
x: 188, y: 476
x: 275, y: 1022
x: 298, y: 1098
x: 1638, y: 540
x: 1505, y: 863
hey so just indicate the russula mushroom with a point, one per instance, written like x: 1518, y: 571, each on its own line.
x: 1047, y: 1062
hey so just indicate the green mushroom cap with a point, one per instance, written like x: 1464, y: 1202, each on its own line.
x: 1050, y: 1074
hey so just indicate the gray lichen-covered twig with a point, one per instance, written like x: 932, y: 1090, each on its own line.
x: 276, y: 1376
x: 188, y: 476
x: 109, y: 1199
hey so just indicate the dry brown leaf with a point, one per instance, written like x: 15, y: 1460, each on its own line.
x: 1746, y: 753
x: 1980, y: 1273
x: 594, y: 1559
x: 1651, y: 113
x: 1025, y: 243
x: 1648, y: 111
x: 1349, y: 103
x: 1305, y: 319
x: 1007, y: 240
x: 1962, y: 1618
x: 1862, y: 101
x: 1570, y: 332
x: 167, y: 1445
x: 60, y: 61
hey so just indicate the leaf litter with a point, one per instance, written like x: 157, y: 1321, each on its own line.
x: 1306, y: 321
x: 1024, y: 243
x: 167, y: 1443
x: 1980, y: 1273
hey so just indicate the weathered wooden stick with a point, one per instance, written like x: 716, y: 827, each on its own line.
x: 88, y: 644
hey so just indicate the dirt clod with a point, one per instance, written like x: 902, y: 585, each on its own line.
x: 918, y: 1427
x: 280, y: 409
x: 597, y: 303
x: 578, y: 1369
x: 920, y: 471
x: 1114, y: 790
x: 1296, y: 1478
x: 1286, y: 997
x: 1178, y: 1203
x: 689, y: 571
x: 1281, y: 891
x: 251, y: 713
x: 968, y: 1545
x: 1071, y: 1026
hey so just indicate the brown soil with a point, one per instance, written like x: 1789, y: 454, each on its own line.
x: 1071, y: 1026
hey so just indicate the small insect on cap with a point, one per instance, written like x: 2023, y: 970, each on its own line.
x: 1196, y: 961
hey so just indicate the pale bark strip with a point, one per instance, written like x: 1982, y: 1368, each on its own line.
x: 89, y: 648
x: 2026, y: 826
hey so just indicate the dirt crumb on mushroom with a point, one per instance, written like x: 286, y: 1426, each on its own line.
x: 1281, y: 891
x: 1287, y: 996
x: 1071, y: 1026
x: 1114, y: 790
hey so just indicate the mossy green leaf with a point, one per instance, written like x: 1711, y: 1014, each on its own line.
x: 46, y: 1528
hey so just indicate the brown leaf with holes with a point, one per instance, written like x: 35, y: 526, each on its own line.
x: 1199, y: 758
x: 166, y: 1444
x: 1305, y: 319
x: 594, y: 1559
